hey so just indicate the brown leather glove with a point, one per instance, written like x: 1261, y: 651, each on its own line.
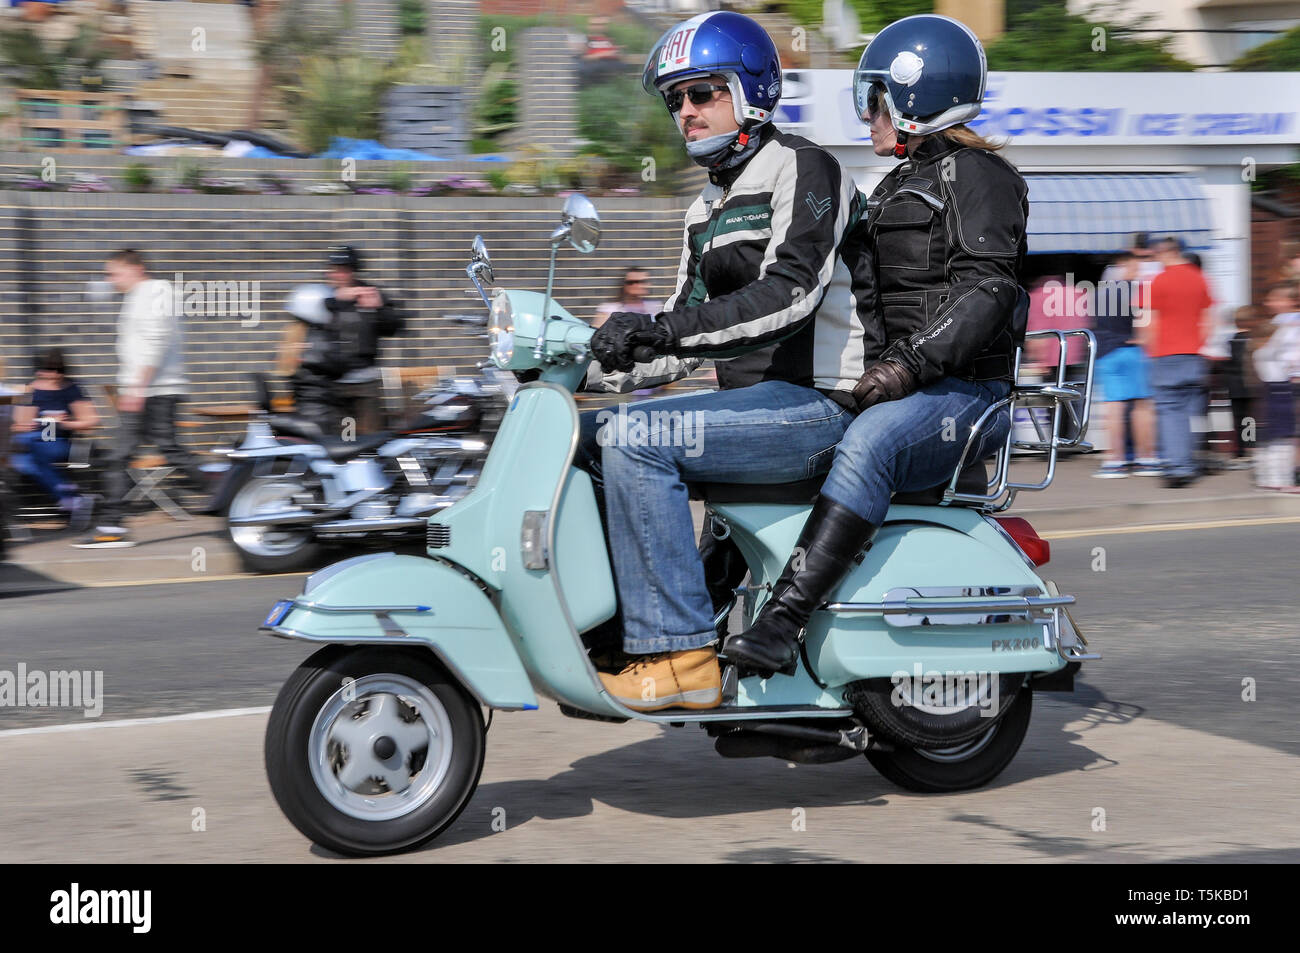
x: 884, y: 380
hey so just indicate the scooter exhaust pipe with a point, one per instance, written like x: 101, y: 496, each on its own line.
x: 281, y: 518
x: 369, y: 525
x: 802, y: 744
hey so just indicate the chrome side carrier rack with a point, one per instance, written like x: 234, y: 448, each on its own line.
x: 982, y: 605
x: 960, y: 605
x: 1065, y: 400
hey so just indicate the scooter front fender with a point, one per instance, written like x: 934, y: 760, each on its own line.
x: 388, y: 599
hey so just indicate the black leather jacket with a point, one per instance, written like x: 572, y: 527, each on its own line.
x: 946, y: 232
x: 350, y: 341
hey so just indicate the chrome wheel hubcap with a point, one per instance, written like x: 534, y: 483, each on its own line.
x: 380, y: 747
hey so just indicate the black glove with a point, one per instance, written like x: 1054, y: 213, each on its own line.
x: 615, y: 340
x: 884, y: 380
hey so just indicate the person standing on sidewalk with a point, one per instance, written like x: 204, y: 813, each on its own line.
x: 631, y: 298
x: 338, y: 377
x: 151, y: 381
x: 1122, y: 371
x: 1178, y: 323
x: 1277, y: 361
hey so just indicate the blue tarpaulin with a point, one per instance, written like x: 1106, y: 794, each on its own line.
x: 342, y: 147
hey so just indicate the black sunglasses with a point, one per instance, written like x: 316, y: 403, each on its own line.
x: 875, y: 99
x: 700, y: 94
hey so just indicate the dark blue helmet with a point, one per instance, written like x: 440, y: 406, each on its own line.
x: 729, y: 44
x: 930, y: 70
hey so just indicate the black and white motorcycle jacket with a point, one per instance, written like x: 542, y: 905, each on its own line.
x: 942, y: 247
x: 760, y: 246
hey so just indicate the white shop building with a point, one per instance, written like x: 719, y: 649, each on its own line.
x: 1106, y: 155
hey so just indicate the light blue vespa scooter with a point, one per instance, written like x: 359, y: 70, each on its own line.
x: 925, y: 661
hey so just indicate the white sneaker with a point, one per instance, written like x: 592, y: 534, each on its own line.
x: 106, y: 537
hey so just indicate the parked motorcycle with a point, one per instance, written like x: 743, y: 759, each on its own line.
x: 292, y: 489
x: 375, y: 744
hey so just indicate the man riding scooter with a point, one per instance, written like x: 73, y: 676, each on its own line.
x: 761, y: 244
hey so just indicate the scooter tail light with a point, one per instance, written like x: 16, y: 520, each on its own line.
x: 1036, y: 549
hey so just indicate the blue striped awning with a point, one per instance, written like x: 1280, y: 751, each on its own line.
x: 1100, y: 213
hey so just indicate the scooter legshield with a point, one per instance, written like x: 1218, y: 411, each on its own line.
x: 389, y: 599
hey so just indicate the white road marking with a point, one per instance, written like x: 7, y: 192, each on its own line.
x: 136, y: 722
x: 171, y: 581
x: 1169, y: 527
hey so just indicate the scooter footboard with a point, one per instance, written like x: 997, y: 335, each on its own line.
x: 388, y: 599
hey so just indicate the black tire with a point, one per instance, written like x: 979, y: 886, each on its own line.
x: 920, y: 770
x: 912, y: 727
x: 288, y: 738
x: 307, y: 554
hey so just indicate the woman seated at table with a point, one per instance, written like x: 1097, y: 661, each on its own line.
x: 43, y: 431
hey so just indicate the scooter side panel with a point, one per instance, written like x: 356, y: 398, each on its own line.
x: 918, y: 546
x: 460, y: 624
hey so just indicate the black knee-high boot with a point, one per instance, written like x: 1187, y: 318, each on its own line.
x: 828, y: 548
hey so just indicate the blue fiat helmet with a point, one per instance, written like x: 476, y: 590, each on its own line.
x: 929, y: 69
x: 728, y: 44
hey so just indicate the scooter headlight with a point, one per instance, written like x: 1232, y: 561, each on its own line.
x: 501, y: 329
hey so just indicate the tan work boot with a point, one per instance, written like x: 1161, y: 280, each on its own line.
x: 687, y: 679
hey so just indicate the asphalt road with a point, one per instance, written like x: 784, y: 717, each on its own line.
x: 1157, y: 734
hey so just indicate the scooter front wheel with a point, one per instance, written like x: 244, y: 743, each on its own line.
x: 269, y: 549
x: 970, y: 764
x: 373, y: 750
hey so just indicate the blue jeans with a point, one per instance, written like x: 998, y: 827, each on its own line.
x: 771, y: 432
x: 1179, y: 382
x: 36, y: 458
x: 912, y: 444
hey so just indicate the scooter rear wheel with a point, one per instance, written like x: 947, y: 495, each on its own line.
x: 373, y: 750
x: 971, y: 764
x: 889, y: 709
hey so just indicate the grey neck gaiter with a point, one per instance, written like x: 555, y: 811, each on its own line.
x: 715, y: 153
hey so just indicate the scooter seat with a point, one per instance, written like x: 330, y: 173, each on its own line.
x: 342, y: 450
x: 801, y: 491
x: 973, y: 479
x: 295, y: 427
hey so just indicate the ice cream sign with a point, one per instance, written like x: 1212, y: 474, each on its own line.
x: 1106, y: 109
